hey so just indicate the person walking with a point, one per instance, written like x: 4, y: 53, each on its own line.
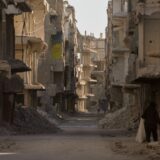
x: 151, y: 121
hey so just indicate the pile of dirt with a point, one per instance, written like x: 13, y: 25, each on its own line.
x: 119, y: 119
x: 29, y: 121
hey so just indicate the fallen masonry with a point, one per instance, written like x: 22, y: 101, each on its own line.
x: 29, y: 121
x: 119, y: 119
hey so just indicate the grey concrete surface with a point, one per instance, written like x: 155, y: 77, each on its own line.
x: 80, y: 142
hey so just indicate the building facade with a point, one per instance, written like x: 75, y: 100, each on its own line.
x: 30, y: 45
x: 56, y: 67
x: 120, y: 57
x: 146, y: 19
x: 84, y: 68
x: 132, y: 37
x: 70, y: 50
x: 98, y: 73
x: 11, y: 83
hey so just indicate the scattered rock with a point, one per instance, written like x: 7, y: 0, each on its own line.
x: 119, y: 119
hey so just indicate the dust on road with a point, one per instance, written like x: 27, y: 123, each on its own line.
x: 80, y: 139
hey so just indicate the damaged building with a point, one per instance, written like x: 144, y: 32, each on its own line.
x: 30, y: 45
x: 146, y: 69
x: 38, y: 43
x: 51, y: 64
x: 132, y: 49
x: 84, y: 80
x: 10, y: 82
x: 56, y: 67
x: 98, y: 73
x: 90, y: 72
x: 70, y: 50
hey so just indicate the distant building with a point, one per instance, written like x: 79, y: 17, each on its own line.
x: 87, y: 59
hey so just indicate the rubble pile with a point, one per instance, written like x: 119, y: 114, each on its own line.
x: 120, y: 119
x: 29, y: 121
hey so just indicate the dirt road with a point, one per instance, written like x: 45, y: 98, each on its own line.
x: 80, y: 140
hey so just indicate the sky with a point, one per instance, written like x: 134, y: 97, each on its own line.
x: 91, y: 15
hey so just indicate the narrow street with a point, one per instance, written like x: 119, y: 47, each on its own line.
x: 93, y: 143
x: 78, y: 79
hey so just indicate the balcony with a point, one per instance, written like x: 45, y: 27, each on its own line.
x: 120, y: 15
x: 89, y: 65
x: 125, y: 86
x: 88, y: 50
x: 18, y: 66
x: 143, y: 72
x: 147, y: 7
x: 148, y: 74
x: 83, y: 97
x: 120, y: 50
x: 97, y: 73
x: 90, y: 95
x: 39, y: 44
x: 37, y: 86
x: 93, y: 81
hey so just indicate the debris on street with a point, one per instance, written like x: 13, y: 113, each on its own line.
x: 119, y: 119
x: 29, y: 121
x: 130, y: 147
